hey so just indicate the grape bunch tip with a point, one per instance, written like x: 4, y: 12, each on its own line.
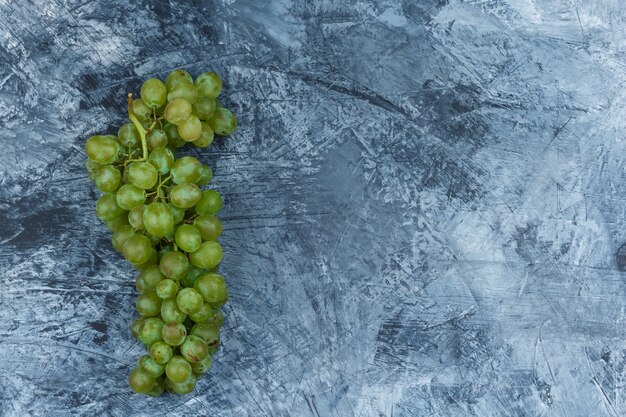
x: 166, y: 225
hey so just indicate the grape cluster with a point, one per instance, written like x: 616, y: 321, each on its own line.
x: 165, y: 225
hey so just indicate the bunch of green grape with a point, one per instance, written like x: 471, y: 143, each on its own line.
x: 165, y: 225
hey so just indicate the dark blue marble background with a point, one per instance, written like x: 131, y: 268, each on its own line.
x: 424, y: 205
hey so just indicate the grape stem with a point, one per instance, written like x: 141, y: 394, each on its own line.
x: 139, y: 127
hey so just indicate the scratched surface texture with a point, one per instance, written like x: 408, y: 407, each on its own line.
x: 424, y: 206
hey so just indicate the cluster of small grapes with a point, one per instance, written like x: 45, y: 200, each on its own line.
x: 166, y: 226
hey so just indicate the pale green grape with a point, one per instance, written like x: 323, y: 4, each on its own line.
x: 142, y: 175
x: 177, y: 76
x: 185, y: 91
x: 148, y: 304
x: 162, y: 158
x: 186, y: 169
x: 208, y: 256
x: 107, y: 207
x: 189, y: 300
x: 204, y: 107
x: 135, y: 217
x: 102, y: 149
x: 223, y: 122
x: 129, y: 196
x: 156, y: 139
x: 158, y: 219
x: 141, y: 382
x: 173, y: 333
x: 142, y: 111
x: 177, y: 111
x: 150, y: 366
x: 170, y: 311
x: 178, y: 369
x: 137, y: 249
x: 212, y: 288
x: 185, y: 195
x: 188, y: 237
x: 209, y: 226
x: 190, y: 129
x: 108, y: 179
x: 161, y: 352
x: 153, y: 92
x: 174, y: 265
x: 194, y: 349
x: 210, y: 203
x: 151, y: 331
x: 209, y: 84
x: 166, y: 289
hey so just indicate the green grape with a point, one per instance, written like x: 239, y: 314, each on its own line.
x: 173, y: 138
x: 206, y: 137
x: 142, y: 175
x: 178, y: 213
x: 152, y: 259
x: 166, y: 289
x: 162, y: 159
x: 148, y: 279
x: 177, y: 76
x: 102, y: 149
x: 188, y: 238
x: 223, y: 122
x: 108, y: 179
x: 202, y: 315
x: 190, y: 129
x: 203, y: 366
x: 206, y: 177
x: 148, y: 304
x: 129, y: 135
x: 212, y: 288
x: 150, y: 366
x: 158, y: 388
x: 204, y: 107
x: 216, y: 319
x: 156, y: 138
x: 141, y: 382
x: 189, y: 300
x: 209, y: 226
x: 92, y: 167
x: 120, y: 236
x: 185, y: 91
x: 210, y: 203
x: 174, y: 265
x: 209, y: 84
x: 208, y: 333
x: 161, y: 352
x: 135, y: 217
x: 107, y: 207
x: 170, y: 311
x: 116, y: 223
x: 173, y: 333
x: 192, y: 275
x: 136, y: 326
x: 153, y: 92
x: 208, y: 256
x: 137, y: 249
x: 142, y: 111
x: 186, y: 169
x: 185, y: 387
x: 185, y: 195
x: 151, y: 331
x: 177, y: 111
x: 158, y: 219
x: 129, y: 196
x: 194, y: 349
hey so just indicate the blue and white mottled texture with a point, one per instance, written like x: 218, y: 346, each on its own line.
x: 424, y: 206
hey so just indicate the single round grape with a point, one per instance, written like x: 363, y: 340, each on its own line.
x: 166, y: 289
x: 216, y: 319
x: 129, y: 196
x: 223, y: 122
x: 208, y: 256
x: 117, y: 222
x: 194, y: 349
x: 150, y: 366
x: 174, y: 265
x: 190, y: 129
x: 162, y: 159
x: 209, y: 84
x: 92, y: 167
x: 136, y: 326
x: 142, y: 112
x: 135, y: 217
x: 204, y: 107
x: 120, y: 236
x: 102, y: 149
x: 170, y: 311
x: 188, y: 237
x: 206, y: 137
x: 153, y: 92
x: 141, y: 382
x: 161, y: 352
x: 186, y: 169
x: 148, y: 304
x: 150, y: 278
x: 173, y: 333
x: 151, y: 331
x: 185, y: 387
x: 177, y: 76
x: 158, y: 388
x: 203, y: 366
x: 107, y: 207
x: 142, y: 175
x: 178, y: 369
x: 185, y: 195
x: 212, y: 288
x: 158, y: 219
x: 178, y: 213
x: 185, y: 91
x: 108, y: 179
x: 137, y: 249
x: 206, y: 177
x: 173, y: 138
x: 156, y: 138
x: 177, y: 111
x: 192, y: 275
x: 189, y: 300
x: 152, y: 260
x: 129, y: 135
x: 209, y: 226
x: 202, y: 315
x: 210, y: 334
x: 210, y: 203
